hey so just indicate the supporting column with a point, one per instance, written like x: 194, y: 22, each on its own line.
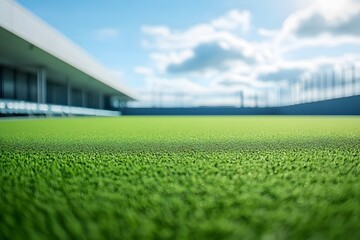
x: 68, y: 92
x: 84, y: 102
x: 16, y: 85
x: 101, y: 101
x: 41, y: 85
x: 28, y: 83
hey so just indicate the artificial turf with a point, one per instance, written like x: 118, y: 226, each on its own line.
x: 180, y: 178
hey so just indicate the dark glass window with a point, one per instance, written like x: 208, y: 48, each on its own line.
x: 8, y: 84
x: 76, y: 98
x: 32, y: 88
x: 21, y: 86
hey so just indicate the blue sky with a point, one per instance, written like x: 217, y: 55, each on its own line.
x: 218, y: 47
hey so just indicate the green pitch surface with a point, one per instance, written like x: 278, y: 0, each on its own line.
x: 180, y: 178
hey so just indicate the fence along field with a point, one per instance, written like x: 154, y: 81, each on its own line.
x: 180, y: 177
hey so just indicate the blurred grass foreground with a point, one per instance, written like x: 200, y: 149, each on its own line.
x: 180, y: 178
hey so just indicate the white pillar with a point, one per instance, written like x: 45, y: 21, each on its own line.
x: 1, y: 82
x: 101, y: 101
x: 41, y: 85
x: 84, y: 98
x: 68, y: 92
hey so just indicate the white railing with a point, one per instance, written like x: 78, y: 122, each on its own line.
x: 22, y: 107
x: 332, y: 83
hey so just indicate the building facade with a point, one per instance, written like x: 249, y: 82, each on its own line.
x: 43, y: 72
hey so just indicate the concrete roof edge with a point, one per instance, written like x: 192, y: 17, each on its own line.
x: 21, y: 22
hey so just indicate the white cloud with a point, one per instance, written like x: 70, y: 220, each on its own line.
x: 200, y: 47
x: 234, y: 19
x: 324, y: 17
x: 210, y: 56
x: 267, y: 33
x: 106, y: 34
x: 323, y: 23
x: 321, y: 41
x: 211, y: 62
x: 295, y: 71
x: 161, y: 37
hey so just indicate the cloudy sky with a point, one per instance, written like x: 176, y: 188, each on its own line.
x: 205, y: 52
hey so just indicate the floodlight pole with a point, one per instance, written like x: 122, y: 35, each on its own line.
x: 301, y: 91
x: 276, y: 97
x: 354, y: 80
x: 160, y: 98
x: 281, y: 99
x: 318, y: 87
x: 343, y: 78
x: 296, y: 89
x: 292, y: 87
x: 305, y: 93
x: 266, y: 98
x: 313, y: 90
x: 311, y: 87
x: 333, y: 83
x: 357, y: 79
x: 325, y: 85
x: 321, y: 86
x: 278, y: 93
x: 241, y: 97
x: 304, y: 87
x: 308, y: 87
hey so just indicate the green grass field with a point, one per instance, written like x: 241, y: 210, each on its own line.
x: 180, y: 178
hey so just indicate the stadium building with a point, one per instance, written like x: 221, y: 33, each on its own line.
x: 43, y: 72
